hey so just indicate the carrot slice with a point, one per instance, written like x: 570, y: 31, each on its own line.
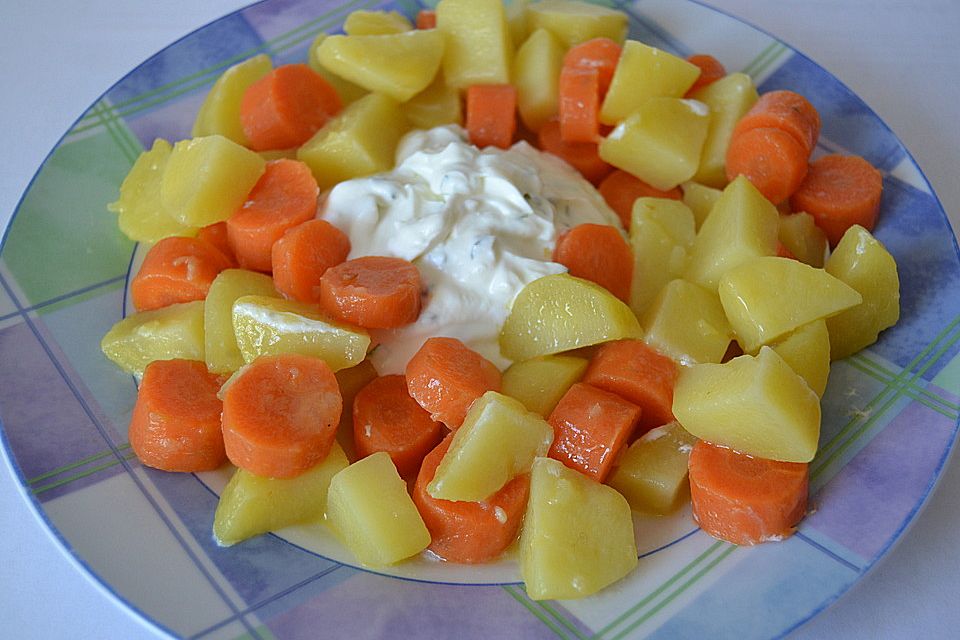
x: 839, y: 192
x: 771, y: 159
x: 469, y: 532
x: 216, y: 234
x: 591, y: 426
x: 638, y: 373
x: 286, y: 107
x: 303, y: 254
x: 426, y: 19
x: 579, y: 107
x: 386, y: 418
x: 599, y: 253
x: 445, y: 376
x: 175, y: 424
x: 176, y: 270
x: 492, y: 114
x: 280, y: 415
x: 785, y: 110
x: 375, y: 292
x: 582, y: 156
x: 601, y: 54
x: 743, y: 499
x: 711, y: 70
x: 284, y: 196
x: 621, y: 189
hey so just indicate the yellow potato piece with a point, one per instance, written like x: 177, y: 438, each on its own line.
x: 351, y: 380
x: 168, y: 333
x: 687, y: 323
x: 573, y: 22
x: 661, y: 234
x: 478, y: 45
x: 729, y: 98
x: 222, y: 353
x: 536, y: 74
x: 220, y: 111
x: 436, y: 105
x: 348, y: 91
x: 805, y: 240
x: 807, y: 351
x: 652, y: 474
x: 700, y: 198
x: 375, y: 23
x: 539, y: 383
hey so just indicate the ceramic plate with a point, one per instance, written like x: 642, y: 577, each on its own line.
x: 889, y: 420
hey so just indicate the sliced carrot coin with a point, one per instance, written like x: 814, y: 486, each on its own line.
x: 621, y: 189
x: 599, y: 253
x: 176, y: 270
x: 303, y: 254
x: 375, y: 292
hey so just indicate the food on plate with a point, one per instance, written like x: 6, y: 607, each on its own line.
x: 540, y: 382
x: 169, y: 333
x: 652, y: 474
x: 176, y: 269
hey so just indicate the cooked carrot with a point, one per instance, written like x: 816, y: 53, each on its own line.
x: 287, y: 106
x: 284, y: 196
x: 590, y: 429
x: 216, y: 234
x: 176, y: 270
x: 601, y: 54
x: 638, y: 373
x: 386, y: 418
x: 445, y: 376
x: 621, y: 189
x: 175, y: 424
x: 785, y: 110
x: 376, y: 292
x: 582, y: 156
x: 839, y: 192
x: 745, y: 500
x: 426, y: 19
x: 280, y: 415
x: 711, y: 70
x: 579, y: 107
x: 492, y: 114
x: 303, y: 254
x: 599, y: 253
x: 771, y: 159
x: 469, y: 532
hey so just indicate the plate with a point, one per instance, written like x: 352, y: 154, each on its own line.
x: 890, y: 413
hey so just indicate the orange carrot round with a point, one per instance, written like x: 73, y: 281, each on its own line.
x: 216, y: 234
x: 375, y: 292
x: 426, y: 19
x: 711, y: 70
x: 839, y: 192
x: 386, y: 418
x: 176, y: 270
x: 599, y: 253
x: 785, y: 110
x: 286, y: 107
x: 491, y: 114
x: 303, y: 254
x: 771, y: 159
x: 621, y: 189
x: 175, y: 424
x: 284, y: 196
x: 601, y: 54
x: 579, y: 107
x: 469, y: 532
x: 280, y: 415
x: 445, y: 376
x: 745, y: 500
x: 582, y: 156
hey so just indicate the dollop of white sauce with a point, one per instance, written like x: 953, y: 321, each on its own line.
x: 479, y: 224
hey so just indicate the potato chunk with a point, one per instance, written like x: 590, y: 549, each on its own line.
x: 577, y: 535
x: 220, y: 341
x: 807, y: 351
x: 220, y: 111
x: 700, y: 198
x: 370, y: 511
x: 497, y: 441
x: 652, y: 474
x: 800, y: 234
x: 687, y: 323
x: 478, y: 46
x: 756, y: 405
x: 348, y: 91
x: 168, y: 333
x: 375, y: 23
x: 436, y: 105
x: 573, y: 22
x: 536, y: 74
x: 661, y: 234
x: 560, y: 312
x: 539, y: 383
x: 862, y: 262
x: 729, y: 98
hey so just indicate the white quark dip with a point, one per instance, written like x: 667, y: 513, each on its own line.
x: 479, y: 224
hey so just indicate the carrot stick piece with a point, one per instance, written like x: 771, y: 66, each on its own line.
x: 582, y: 156
x: 621, y: 189
x: 216, y: 234
x: 176, y: 270
x: 287, y: 106
x: 771, y: 159
x: 711, y: 70
x: 386, y: 418
x: 638, y: 373
x: 284, y: 196
x: 445, y: 377
x: 590, y: 428
x: 743, y: 499
x: 303, y: 254
x: 579, y: 105
x: 175, y: 424
x: 469, y: 532
x: 492, y: 114
x: 601, y: 54
x: 426, y: 19
x: 787, y: 111
x: 280, y: 415
x: 839, y: 192
x: 375, y: 292
x: 599, y: 253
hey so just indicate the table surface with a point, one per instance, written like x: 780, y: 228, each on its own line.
x: 899, y: 57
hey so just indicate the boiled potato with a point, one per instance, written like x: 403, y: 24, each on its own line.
x: 862, y: 262
x: 251, y: 505
x: 375, y: 23
x: 560, y: 312
x: 536, y: 74
x: 370, y: 511
x: 573, y: 22
x: 800, y: 234
x: 220, y: 341
x: 539, y: 383
x: 756, y: 405
x: 645, y: 72
x: 497, y: 441
x: 351, y: 380
x: 807, y: 351
x: 518, y: 21
x: 479, y: 49
x: 220, y: 111
x: 577, y: 535
x: 168, y: 333
x: 436, y: 105
x: 687, y: 323
x: 348, y: 91
x: 652, y: 474
x: 729, y: 98
x: 700, y: 198
x: 661, y: 233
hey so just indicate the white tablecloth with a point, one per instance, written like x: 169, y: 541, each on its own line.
x: 900, y: 57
